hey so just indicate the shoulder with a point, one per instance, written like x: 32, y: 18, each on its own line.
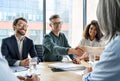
x: 8, y: 38
x: 47, y: 35
x: 114, y: 42
x: 27, y: 39
x: 102, y: 43
x: 114, y: 45
x: 62, y: 35
x: 47, y: 38
x: 83, y: 40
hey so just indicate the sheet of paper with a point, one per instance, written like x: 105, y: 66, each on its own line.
x: 67, y: 66
x: 24, y: 71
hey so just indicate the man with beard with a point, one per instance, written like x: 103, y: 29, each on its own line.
x: 16, y: 48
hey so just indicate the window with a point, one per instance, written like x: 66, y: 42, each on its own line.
x: 36, y: 35
x: 5, y: 33
x: 30, y: 10
x: 71, y: 12
x: 91, y: 10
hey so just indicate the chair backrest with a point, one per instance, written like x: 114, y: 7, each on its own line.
x: 39, y: 49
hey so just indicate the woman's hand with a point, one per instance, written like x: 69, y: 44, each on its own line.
x: 87, y: 70
x: 33, y: 78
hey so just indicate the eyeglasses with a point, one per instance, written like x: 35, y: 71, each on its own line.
x: 22, y: 25
x: 57, y: 23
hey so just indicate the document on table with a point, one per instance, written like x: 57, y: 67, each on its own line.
x: 67, y: 66
x: 18, y: 68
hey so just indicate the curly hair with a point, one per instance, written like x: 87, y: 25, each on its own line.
x: 86, y: 31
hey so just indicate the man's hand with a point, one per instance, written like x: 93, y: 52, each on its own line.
x: 24, y: 62
x: 79, y: 51
x: 76, y: 51
x: 76, y: 61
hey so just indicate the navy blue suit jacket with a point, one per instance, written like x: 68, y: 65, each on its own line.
x: 10, y: 50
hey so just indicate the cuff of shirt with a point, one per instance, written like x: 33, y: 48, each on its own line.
x: 86, y: 77
x: 17, y: 63
x: 67, y: 49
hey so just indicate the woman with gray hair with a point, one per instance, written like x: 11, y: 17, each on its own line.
x: 108, y: 67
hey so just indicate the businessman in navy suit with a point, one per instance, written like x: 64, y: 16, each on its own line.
x: 17, y: 47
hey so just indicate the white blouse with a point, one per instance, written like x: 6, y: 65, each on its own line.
x: 93, y: 43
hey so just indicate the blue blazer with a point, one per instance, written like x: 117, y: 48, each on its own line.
x: 108, y: 67
x: 10, y: 50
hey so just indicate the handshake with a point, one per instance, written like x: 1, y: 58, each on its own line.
x: 80, y: 50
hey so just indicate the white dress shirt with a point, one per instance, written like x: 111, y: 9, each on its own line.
x: 20, y: 46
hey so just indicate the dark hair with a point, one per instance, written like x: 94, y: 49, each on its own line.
x: 16, y: 20
x: 54, y: 17
x: 86, y: 31
x: 108, y: 13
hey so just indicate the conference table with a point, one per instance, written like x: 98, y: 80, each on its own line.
x: 46, y: 74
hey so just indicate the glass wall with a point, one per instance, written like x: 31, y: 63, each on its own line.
x: 62, y: 8
x: 71, y: 12
x: 91, y: 10
x: 32, y: 10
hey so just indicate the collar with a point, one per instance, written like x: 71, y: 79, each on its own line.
x: 92, y: 40
x: 54, y: 34
x: 18, y: 39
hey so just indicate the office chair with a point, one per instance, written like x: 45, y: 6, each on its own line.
x: 39, y: 49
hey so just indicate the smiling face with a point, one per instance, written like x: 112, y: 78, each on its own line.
x: 92, y: 31
x: 56, y: 24
x: 21, y: 27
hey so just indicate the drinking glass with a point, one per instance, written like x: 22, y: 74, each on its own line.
x: 91, y: 59
x: 32, y: 66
